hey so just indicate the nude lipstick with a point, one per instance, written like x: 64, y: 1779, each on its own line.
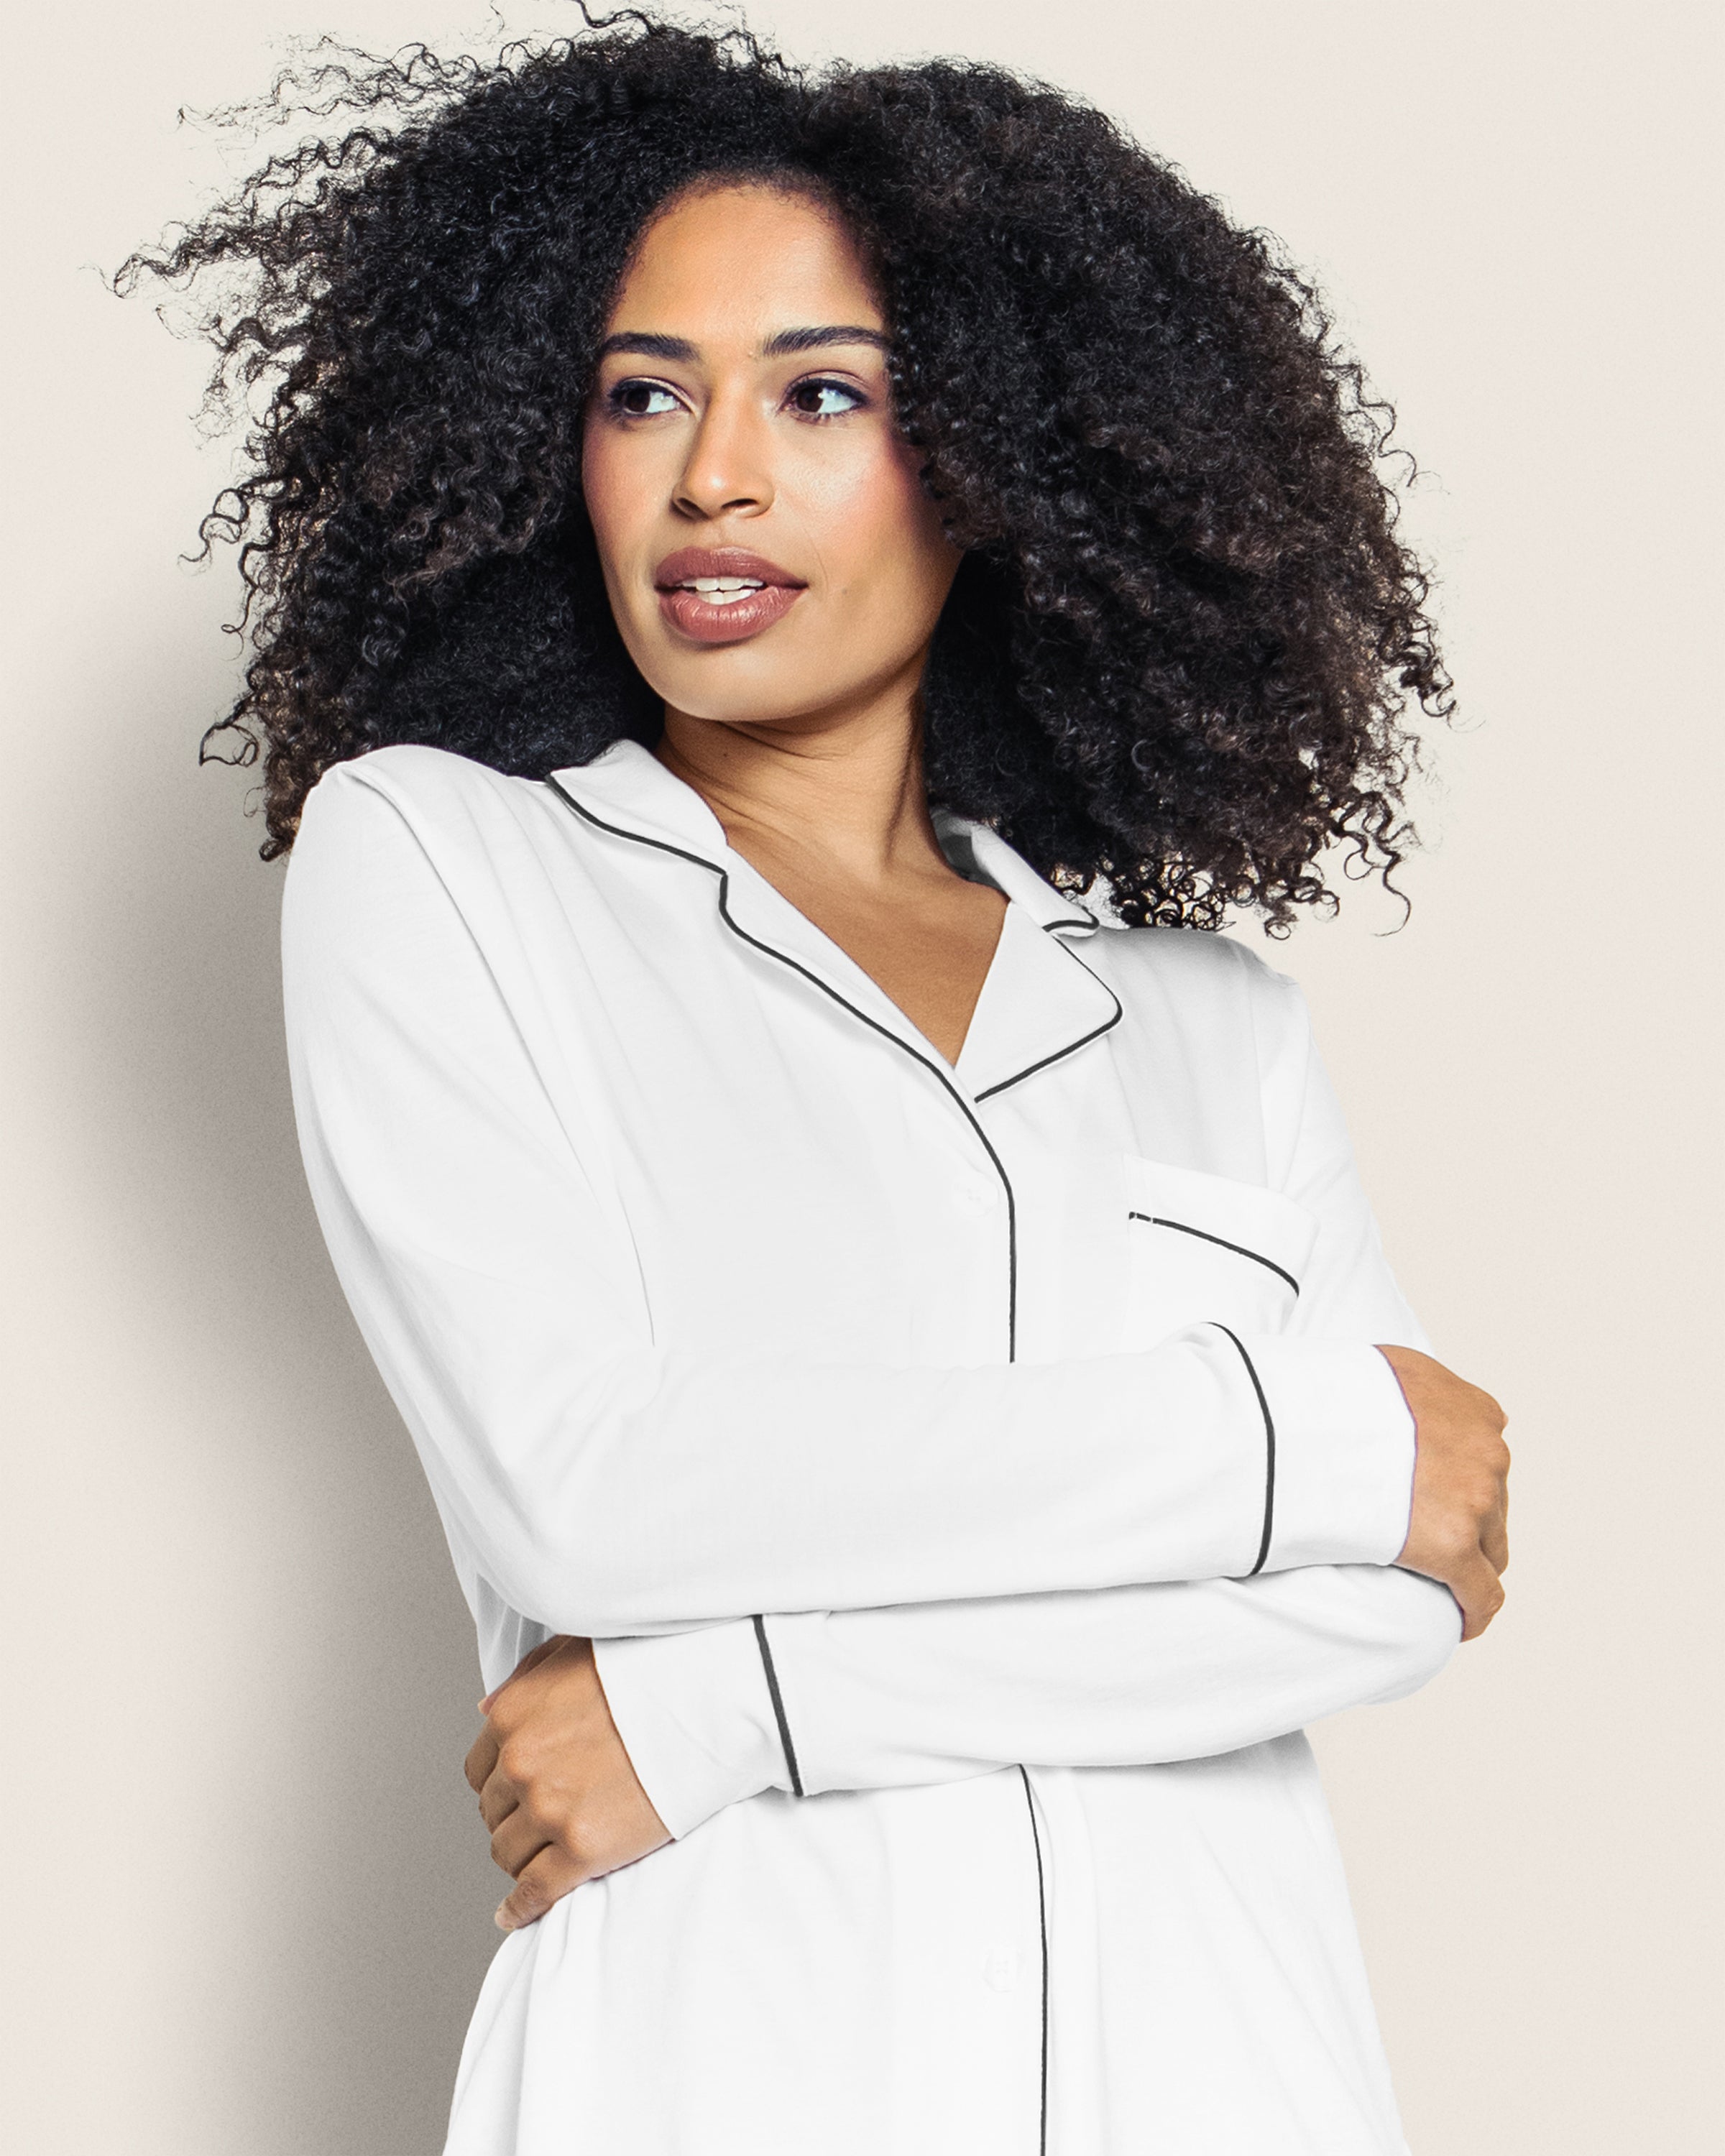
x: 723, y: 595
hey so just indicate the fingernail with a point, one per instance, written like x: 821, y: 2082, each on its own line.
x: 485, y: 1705
x: 498, y: 1919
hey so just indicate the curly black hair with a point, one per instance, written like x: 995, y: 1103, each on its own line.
x: 1180, y: 648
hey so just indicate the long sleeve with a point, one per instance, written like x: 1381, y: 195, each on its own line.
x: 1126, y: 1675
x: 871, y: 1699
x: 604, y: 1482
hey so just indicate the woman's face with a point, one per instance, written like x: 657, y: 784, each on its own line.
x: 770, y: 555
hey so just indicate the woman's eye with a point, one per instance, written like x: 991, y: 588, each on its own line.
x: 642, y: 400
x: 824, y: 400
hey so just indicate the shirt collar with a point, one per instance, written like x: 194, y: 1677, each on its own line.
x: 994, y: 861
x: 629, y: 788
x: 1038, y: 1004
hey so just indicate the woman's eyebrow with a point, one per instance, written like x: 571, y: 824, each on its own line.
x: 647, y: 346
x: 794, y: 340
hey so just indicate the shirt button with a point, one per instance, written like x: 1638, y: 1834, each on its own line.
x: 976, y: 1194
x: 1000, y: 1968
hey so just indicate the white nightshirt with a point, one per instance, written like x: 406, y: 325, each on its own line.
x: 973, y: 1478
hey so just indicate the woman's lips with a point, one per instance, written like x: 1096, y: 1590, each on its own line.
x: 745, y: 593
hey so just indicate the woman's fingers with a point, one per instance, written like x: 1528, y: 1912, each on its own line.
x: 1494, y: 1541
x: 555, y: 1786
x: 518, y: 1840
x: 1478, y: 1589
x: 1458, y: 1527
x: 481, y: 1759
x: 529, y: 1661
x: 498, y: 1798
x: 551, y: 1875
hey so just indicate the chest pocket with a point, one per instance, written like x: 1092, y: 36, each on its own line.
x: 1206, y: 1247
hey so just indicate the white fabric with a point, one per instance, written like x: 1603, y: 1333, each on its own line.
x: 709, y: 1293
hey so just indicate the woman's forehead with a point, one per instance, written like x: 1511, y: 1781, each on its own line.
x: 742, y: 265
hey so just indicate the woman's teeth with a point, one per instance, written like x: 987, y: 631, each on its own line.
x: 721, y: 591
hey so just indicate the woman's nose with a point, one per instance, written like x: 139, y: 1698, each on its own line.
x: 727, y: 471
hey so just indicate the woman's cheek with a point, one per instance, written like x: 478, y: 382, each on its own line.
x: 866, y: 487
x: 623, y: 477
x: 621, y: 551
x: 601, y: 491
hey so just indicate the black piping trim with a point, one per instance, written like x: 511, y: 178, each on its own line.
x: 1072, y: 1047
x: 1240, y: 1249
x: 1042, y: 1919
x: 664, y: 846
x: 778, y: 1712
x: 1268, y: 1447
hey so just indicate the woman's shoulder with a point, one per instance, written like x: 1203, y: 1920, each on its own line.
x: 419, y: 782
x: 459, y: 820
x: 1192, y: 962
x: 394, y: 842
x: 411, y: 866
x: 1212, y: 993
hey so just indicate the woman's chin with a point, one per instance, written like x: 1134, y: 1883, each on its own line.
x: 743, y: 684
x: 788, y: 714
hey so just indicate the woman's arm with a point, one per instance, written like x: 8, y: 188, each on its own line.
x: 1133, y: 1675
x: 593, y: 1758
x: 605, y: 1484
x: 871, y: 1699
x: 598, y: 1752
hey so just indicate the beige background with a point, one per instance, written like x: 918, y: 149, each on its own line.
x: 247, y: 1901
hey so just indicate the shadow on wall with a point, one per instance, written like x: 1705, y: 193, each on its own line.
x: 323, y: 1904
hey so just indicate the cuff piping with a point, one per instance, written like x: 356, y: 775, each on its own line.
x: 1269, y: 1467
x: 784, y: 1726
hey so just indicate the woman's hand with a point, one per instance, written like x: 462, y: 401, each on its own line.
x: 555, y: 1786
x: 1459, y: 1531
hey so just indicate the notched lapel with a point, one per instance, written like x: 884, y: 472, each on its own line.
x: 1039, y: 1001
x: 1039, y: 1004
x: 629, y: 793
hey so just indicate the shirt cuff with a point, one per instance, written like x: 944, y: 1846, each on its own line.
x: 1339, y: 1442
x: 695, y: 1717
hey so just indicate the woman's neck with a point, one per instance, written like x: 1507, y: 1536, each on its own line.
x: 848, y: 793
x: 834, y: 815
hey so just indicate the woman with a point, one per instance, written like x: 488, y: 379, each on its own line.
x: 905, y: 1364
